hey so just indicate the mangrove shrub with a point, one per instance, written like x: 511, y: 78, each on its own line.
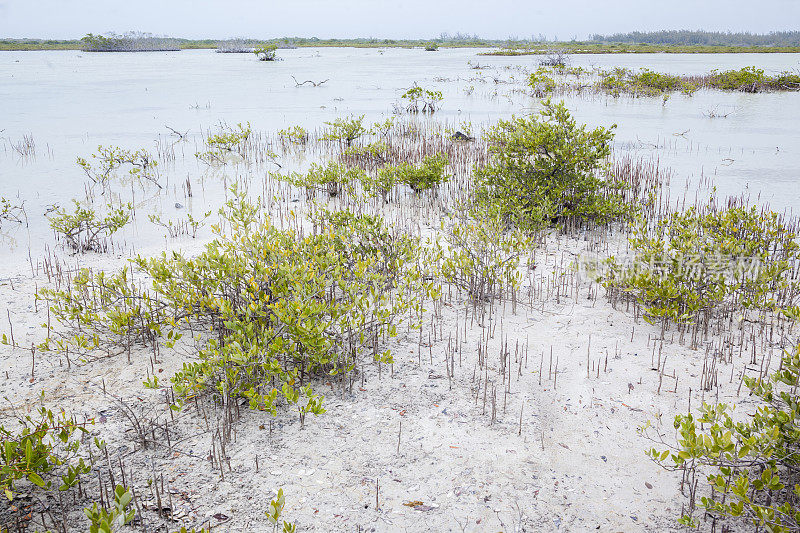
x: 694, y: 263
x: 548, y: 168
x: 753, y: 465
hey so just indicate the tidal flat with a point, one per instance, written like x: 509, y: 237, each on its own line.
x: 327, y: 275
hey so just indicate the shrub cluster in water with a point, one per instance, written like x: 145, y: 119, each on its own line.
x: 753, y: 80
x: 646, y: 82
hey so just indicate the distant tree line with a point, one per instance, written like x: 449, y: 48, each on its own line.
x: 699, y: 37
x: 683, y: 41
x: 128, y: 42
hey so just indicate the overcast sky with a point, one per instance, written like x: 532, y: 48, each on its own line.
x: 393, y: 19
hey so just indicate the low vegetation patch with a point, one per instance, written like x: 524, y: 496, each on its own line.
x: 278, y: 308
x: 332, y: 178
x: 644, y: 83
x: 345, y: 130
x: 107, y: 161
x: 422, y: 177
x: 700, y: 263
x: 483, y: 256
x: 421, y: 100
x: 266, y: 52
x: 228, y: 140
x: 44, y: 449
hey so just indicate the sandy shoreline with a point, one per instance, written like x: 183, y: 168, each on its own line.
x: 574, y: 463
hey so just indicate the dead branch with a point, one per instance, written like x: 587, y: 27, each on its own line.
x: 180, y: 135
x: 314, y: 83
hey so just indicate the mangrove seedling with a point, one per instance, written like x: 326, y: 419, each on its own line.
x: 421, y: 100
x: 43, y: 449
x: 84, y: 230
x: 111, y: 520
x: 345, y: 130
x: 265, y: 52
x: 108, y: 159
x: 752, y: 466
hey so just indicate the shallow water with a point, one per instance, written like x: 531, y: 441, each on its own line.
x: 70, y: 102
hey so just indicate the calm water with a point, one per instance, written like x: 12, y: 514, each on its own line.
x: 70, y: 102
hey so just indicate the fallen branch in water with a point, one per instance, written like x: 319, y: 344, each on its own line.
x: 315, y: 84
x: 180, y: 135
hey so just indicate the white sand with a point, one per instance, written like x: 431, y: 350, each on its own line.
x: 578, y: 464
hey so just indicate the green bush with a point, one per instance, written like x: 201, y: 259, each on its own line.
x: 278, y: 307
x: 416, y: 96
x: 754, y: 464
x: 107, y: 312
x: 376, y: 153
x: 42, y: 448
x: 331, y: 178
x: 547, y: 168
x: 345, y: 130
x: 693, y: 263
x: 286, y: 307
x: 380, y: 183
x: 427, y: 175
x: 228, y: 140
x: 643, y: 83
x: 541, y: 83
x: 84, y: 230
x: 747, y: 79
x: 785, y: 81
x: 265, y: 52
x: 295, y: 135
x: 140, y: 163
x: 381, y: 129
x: 483, y: 256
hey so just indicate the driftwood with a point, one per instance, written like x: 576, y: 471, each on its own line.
x: 181, y: 136
x: 314, y: 83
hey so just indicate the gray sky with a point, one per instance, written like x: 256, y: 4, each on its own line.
x: 393, y: 19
